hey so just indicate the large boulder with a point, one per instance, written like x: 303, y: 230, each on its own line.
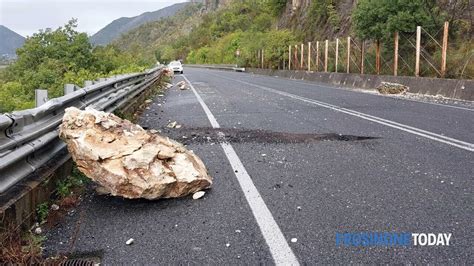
x: 127, y: 160
x: 392, y: 88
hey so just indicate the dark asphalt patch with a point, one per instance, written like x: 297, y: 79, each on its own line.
x: 237, y: 135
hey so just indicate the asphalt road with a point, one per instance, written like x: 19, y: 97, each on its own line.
x: 301, y: 161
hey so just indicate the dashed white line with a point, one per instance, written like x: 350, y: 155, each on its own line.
x: 279, y: 248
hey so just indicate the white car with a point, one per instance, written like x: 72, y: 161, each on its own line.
x: 176, y: 66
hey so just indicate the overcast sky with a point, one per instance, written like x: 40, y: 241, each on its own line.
x: 27, y: 16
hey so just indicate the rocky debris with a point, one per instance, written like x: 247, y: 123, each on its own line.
x: 130, y: 241
x: 38, y: 231
x: 392, y: 88
x: 294, y: 240
x: 198, y: 195
x: 168, y: 72
x: 127, y: 160
x: 173, y: 125
x: 181, y: 85
x: 148, y: 101
x: 54, y: 207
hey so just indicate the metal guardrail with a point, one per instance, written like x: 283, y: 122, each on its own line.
x: 29, y: 138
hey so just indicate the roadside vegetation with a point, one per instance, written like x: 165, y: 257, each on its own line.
x: 20, y: 246
x: 213, y: 37
x: 51, y: 58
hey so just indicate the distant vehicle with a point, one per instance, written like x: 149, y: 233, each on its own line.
x: 176, y: 66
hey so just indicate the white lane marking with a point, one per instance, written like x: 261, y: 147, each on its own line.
x: 420, y: 132
x: 279, y: 248
x: 331, y: 87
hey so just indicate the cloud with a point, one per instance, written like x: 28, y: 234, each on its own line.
x: 28, y: 16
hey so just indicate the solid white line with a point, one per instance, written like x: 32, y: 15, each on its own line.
x: 420, y: 132
x: 279, y: 248
x: 331, y: 87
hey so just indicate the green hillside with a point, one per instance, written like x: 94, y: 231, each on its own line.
x: 197, y: 35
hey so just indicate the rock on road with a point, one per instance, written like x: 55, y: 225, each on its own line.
x: 293, y: 163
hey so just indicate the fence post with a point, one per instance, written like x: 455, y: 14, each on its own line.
x: 444, y: 49
x: 348, y: 54
x: 418, y: 43
x: 309, y: 56
x: 302, y: 55
x: 362, y: 48
x: 263, y: 66
x: 337, y: 53
x: 317, y: 56
x: 289, y: 57
x: 296, y: 56
x: 41, y: 96
x: 377, y: 56
x: 258, y: 58
x: 395, y: 55
x: 326, y: 57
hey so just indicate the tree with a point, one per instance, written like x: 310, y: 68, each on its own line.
x: 379, y: 19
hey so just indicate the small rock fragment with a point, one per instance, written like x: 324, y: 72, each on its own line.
x: 38, y: 230
x: 54, y: 207
x: 227, y: 245
x: 198, y: 195
x: 172, y: 124
x: 130, y: 241
x: 238, y: 231
x: 294, y: 240
x: 148, y: 101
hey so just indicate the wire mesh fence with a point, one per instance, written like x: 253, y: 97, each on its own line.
x: 419, y: 53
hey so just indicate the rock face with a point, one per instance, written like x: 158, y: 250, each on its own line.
x: 392, y: 88
x: 127, y: 160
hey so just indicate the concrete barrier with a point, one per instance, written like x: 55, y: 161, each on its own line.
x: 219, y: 67
x: 452, y: 88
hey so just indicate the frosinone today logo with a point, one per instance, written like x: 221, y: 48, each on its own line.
x: 387, y: 239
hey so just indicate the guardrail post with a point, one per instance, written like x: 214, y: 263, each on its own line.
x: 68, y: 88
x: 41, y: 96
